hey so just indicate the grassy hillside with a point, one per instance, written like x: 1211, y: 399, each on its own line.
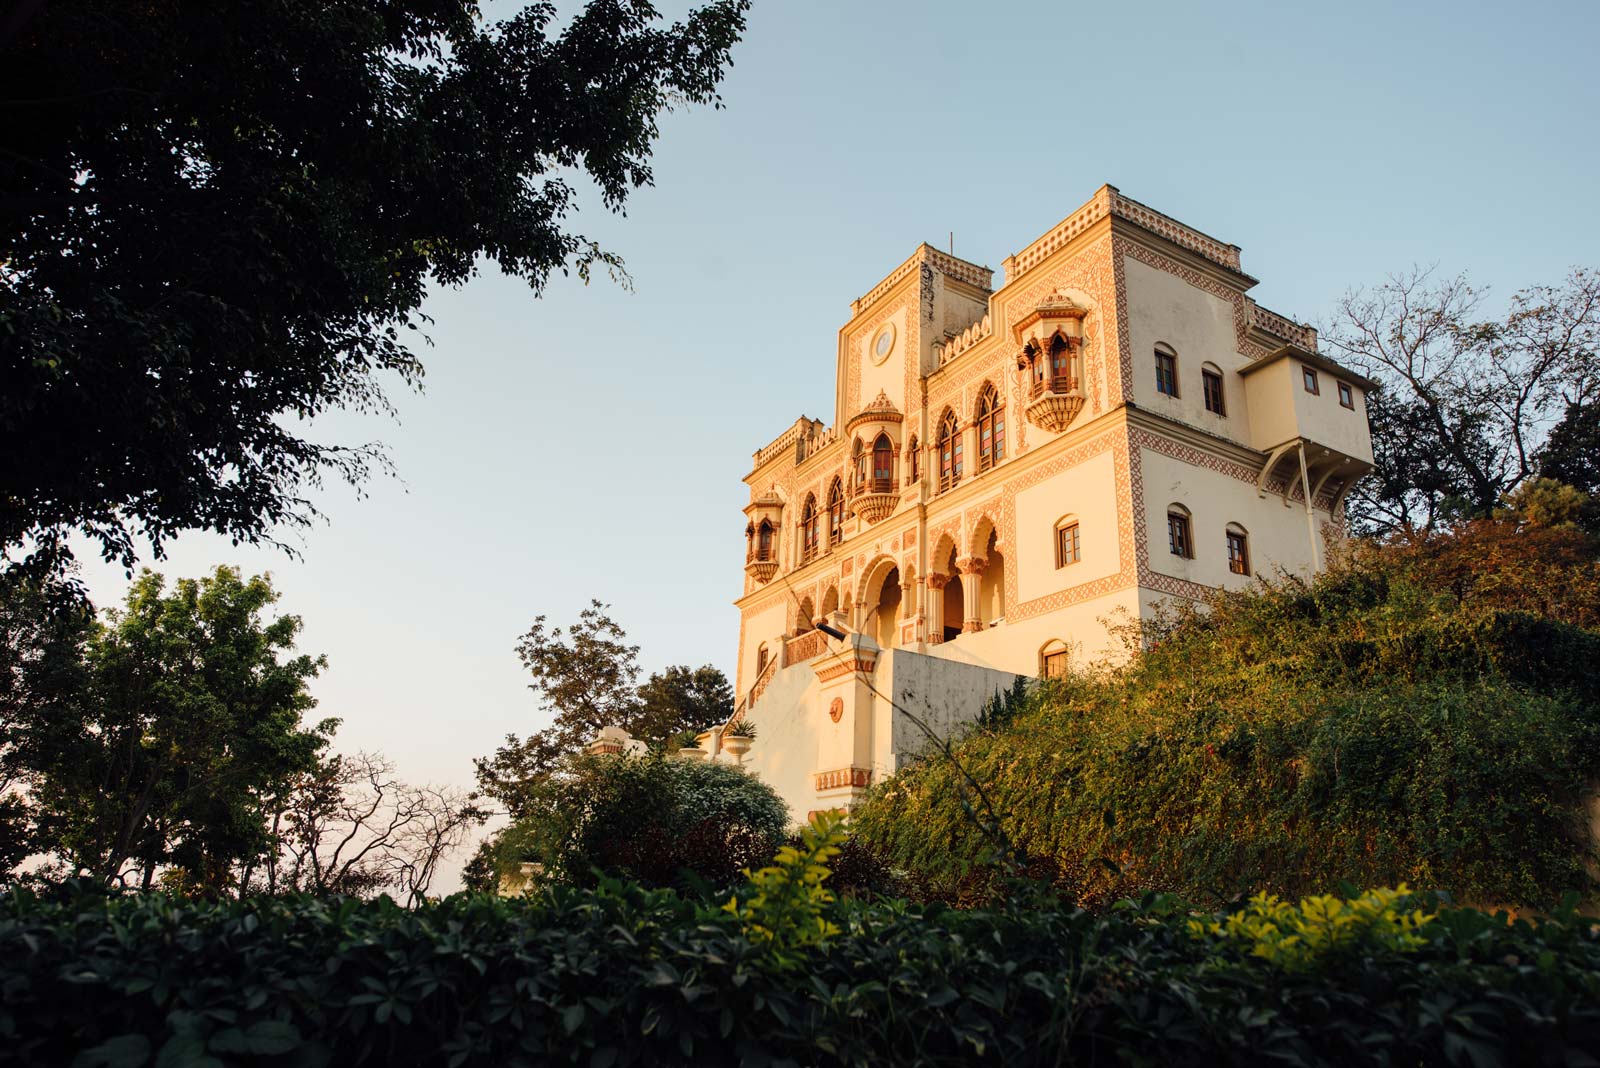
x: 1426, y: 712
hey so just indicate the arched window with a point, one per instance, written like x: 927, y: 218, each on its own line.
x: 1068, y: 548
x: 882, y: 464
x: 750, y: 541
x: 808, y: 529
x: 1211, y: 386
x: 761, y: 659
x: 1238, y: 550
x: 916, y: 462
x: 835, y: 513
x: 949, y: 451
x: 1053, y: 660
x: 1166, y: 371
x: 858, y: 466
x: 764, y: 541
x: 1180, y: 540
x: 991, y: 429
x: 803, y: 617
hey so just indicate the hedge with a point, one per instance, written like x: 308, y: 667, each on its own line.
x: 617, y: 975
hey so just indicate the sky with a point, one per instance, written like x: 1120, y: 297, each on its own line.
x: 590, y: 443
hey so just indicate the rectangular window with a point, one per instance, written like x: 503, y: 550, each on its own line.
x: 1347, y: 396
x: 1178, y: 535
x: 1212, y: 383
x: 1055, y: 665
x: 1166, y: 374
x: 1310, y: 378
x: 1067, y: 548
x: 1238, y: 554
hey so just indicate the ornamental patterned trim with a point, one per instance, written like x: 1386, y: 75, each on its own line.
x: 846, y: 665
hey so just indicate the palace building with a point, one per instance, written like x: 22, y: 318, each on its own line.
x: 1013, y: 475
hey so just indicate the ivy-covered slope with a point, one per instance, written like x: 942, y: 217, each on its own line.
x: 1427, y: 712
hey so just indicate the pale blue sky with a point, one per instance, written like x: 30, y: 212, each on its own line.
x: 591, y: 443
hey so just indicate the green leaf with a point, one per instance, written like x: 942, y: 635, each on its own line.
x: 123, y: 1051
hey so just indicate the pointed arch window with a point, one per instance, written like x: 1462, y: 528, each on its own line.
x: 916, y: 462
x: 1060, y: 365
x: 882, y: 465
x: 991, y: 429
x: 764, y: 541
x: 808, y: 529
x: 835, y: 513
x: 949, y: 451
x: 858, y: 467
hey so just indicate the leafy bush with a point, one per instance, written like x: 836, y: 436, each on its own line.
x: 1404, y: 718
x: 658, y: 821
x: 618, y: 975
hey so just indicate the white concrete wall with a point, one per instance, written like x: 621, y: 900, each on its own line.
x: 1278, y: 535
x: 1198, y: 327
x: 1086, y: 492
x: 764, y: 626
x: 788, y: 726
x: 944, y: 694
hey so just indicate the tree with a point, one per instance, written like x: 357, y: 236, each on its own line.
x: 1467, y: 406
x: 587, y: 678
x: 352, y: 827
x: 184, y: 720
x: 45, y: 625
x: 647, y: 819
x: 1571, y: 456
x: 218, y: 221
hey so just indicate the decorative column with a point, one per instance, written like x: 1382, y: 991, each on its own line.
x: 969, y: 450
x: 935, y: 612
x: 971, y: 568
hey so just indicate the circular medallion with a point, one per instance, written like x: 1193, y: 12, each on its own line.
x: 836, y: 710
x: 883, y: 344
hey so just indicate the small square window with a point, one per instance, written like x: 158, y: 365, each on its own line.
x: 1068, y: 550
x: 1347, y: 396
x: 1310, y: 378
x: 1178, y: 539
x: 1238, y: 554
x: 1212, y: 383
x: 1055, y: 665
x: 1166, y: 374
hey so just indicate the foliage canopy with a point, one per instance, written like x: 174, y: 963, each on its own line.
x: 219, y: 220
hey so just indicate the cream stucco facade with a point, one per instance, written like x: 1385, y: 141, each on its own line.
x: 1013, y: 472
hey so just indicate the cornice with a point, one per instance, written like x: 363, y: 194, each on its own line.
x: 1187, y: 434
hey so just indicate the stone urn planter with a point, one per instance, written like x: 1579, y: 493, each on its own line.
x: 737, y: 745
x: 691, y: 752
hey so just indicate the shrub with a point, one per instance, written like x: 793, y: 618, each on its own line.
x: 1400, y: 719
x: 657, y: 821
x: 617, y: 975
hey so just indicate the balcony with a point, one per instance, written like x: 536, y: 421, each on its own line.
x: 875, y: 498
x: 761, y: 566
x: 1053, y: 403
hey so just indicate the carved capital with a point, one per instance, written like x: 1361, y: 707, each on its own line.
x: 972, y: 565
x: 937, y: 582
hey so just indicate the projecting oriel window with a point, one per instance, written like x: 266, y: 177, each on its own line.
x: 1347, y: 396
x: 1166, y: 373
x: 1310, y: 378
x: 1178, y: 537
x: 1211, y: 382
x: 1068, y: 549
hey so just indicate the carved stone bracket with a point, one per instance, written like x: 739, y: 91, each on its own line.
x: 875, y: 506
x: 1055, y: 412
x: 761, y: 570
